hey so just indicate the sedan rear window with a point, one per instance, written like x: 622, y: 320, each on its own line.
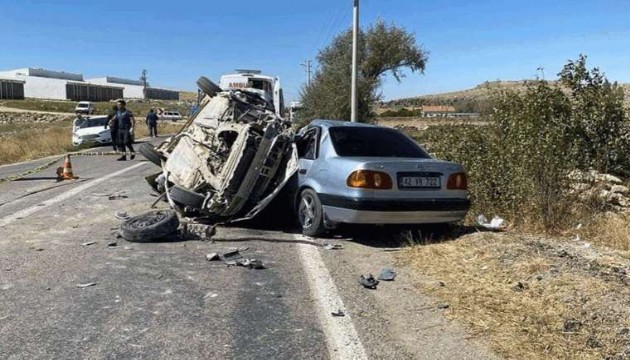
x: 374, y: 142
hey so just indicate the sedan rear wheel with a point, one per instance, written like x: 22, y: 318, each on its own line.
x: 310, y: 213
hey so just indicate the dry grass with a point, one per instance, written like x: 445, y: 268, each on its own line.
x: 421, y: 123
x: 560, y: 282
x: 21, y: 142
x: 48, y: 139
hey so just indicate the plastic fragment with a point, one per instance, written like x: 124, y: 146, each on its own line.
x: 86, y: 285
x: 333, y: 246
x: 387, y: 274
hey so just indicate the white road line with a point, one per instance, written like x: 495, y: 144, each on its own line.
x: 59, y: 198
x: 341, y: 336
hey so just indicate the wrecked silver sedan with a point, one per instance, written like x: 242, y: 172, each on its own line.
x: 229, y: 161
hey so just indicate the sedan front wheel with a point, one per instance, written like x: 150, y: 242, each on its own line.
x: 310, y: 213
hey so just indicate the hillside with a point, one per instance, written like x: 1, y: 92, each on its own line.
x: 471, y: 100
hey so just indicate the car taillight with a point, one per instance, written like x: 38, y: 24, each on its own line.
x: 368, y: 179
x: 457, y: 181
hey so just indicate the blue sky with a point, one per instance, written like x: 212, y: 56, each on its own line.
x: 469, y: 42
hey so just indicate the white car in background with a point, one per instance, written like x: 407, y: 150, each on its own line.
x: 92, y: 129
x: 170, y: 115
x: 85, y: 107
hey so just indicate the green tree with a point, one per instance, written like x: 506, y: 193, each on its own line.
x: 383, y: 49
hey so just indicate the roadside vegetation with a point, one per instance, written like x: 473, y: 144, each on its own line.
x: 540, y: 290
x: 384, y: 50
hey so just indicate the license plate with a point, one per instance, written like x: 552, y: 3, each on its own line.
x: 419, y: 182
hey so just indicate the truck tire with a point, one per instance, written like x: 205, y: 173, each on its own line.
x: 148, y: 151
x: 186, y: 197
x: 208, y: 86
x: 151, y: 226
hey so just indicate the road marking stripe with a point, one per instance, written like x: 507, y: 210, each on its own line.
x: 341, y: 336
x: 59, y: 198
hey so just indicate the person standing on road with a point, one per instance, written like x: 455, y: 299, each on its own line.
x: 152, y: 120
x: 126, y: 123
x: 113, y: 127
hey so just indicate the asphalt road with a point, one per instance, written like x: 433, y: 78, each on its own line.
x: 165, y: 301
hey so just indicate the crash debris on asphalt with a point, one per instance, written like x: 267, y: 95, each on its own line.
x: 233, y: 257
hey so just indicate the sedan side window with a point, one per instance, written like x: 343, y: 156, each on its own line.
x: 307, y: 145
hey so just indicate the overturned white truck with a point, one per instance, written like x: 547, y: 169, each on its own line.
x: 230, y: 160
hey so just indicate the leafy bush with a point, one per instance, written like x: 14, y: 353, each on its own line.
x: 518, y: 164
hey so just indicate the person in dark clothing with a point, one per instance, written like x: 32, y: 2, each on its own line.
x: 113, y: 127
x: 126, y: 123
x: 152, y: 120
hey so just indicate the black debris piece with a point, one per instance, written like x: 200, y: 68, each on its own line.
x: 88, y: 243
x: 368, y: 281
x: 112, y: 244
x: 333, y: 246
x: 213, y: 257
x: 443, y: 306
x: 338, y: 313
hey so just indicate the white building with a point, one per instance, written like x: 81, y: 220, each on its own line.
x: 134, y: 89
x: 60, y: 85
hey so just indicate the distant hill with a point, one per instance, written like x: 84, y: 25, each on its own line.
x: 469, y: 100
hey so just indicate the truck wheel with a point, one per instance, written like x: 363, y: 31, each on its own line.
x: 151, y: 226
x: 186, y: 197
x: 148, y: 151
x: 208, y: 86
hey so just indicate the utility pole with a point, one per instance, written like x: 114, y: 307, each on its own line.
x: 143, y: 78
x: 355, y: 36
x: 307, y: 66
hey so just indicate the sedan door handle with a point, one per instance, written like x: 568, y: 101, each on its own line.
x: 302, y: 171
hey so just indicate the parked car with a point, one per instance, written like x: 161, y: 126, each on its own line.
x: 170, y: 115
x: 90, y: 130
x: 368, y: 174
x: 229, y: 160
x: 85, y: 107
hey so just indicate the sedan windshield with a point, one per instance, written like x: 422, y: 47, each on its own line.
x: 374, y: 142
x: 93, y: 122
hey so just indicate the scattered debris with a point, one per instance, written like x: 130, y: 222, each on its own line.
x: 368, y: 282
x: 36, y: 248
x: 443, y: 306
x: 86, y: 285
x: 116, y: 197
x: 495, y: 224
x: 594, y: 343
x: 338, y: 313
x: 520, y: 286
x: 233, y: 257
x: 88, y: 243
x: 210, y: 295
x: 572, y: 325
x: 121, y: 215
x: 213, y: 257
x: 197, y: 231
x: 387, y: 274
x: 250, y: 263
x: 333, y: 246
x: 112, y: 244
